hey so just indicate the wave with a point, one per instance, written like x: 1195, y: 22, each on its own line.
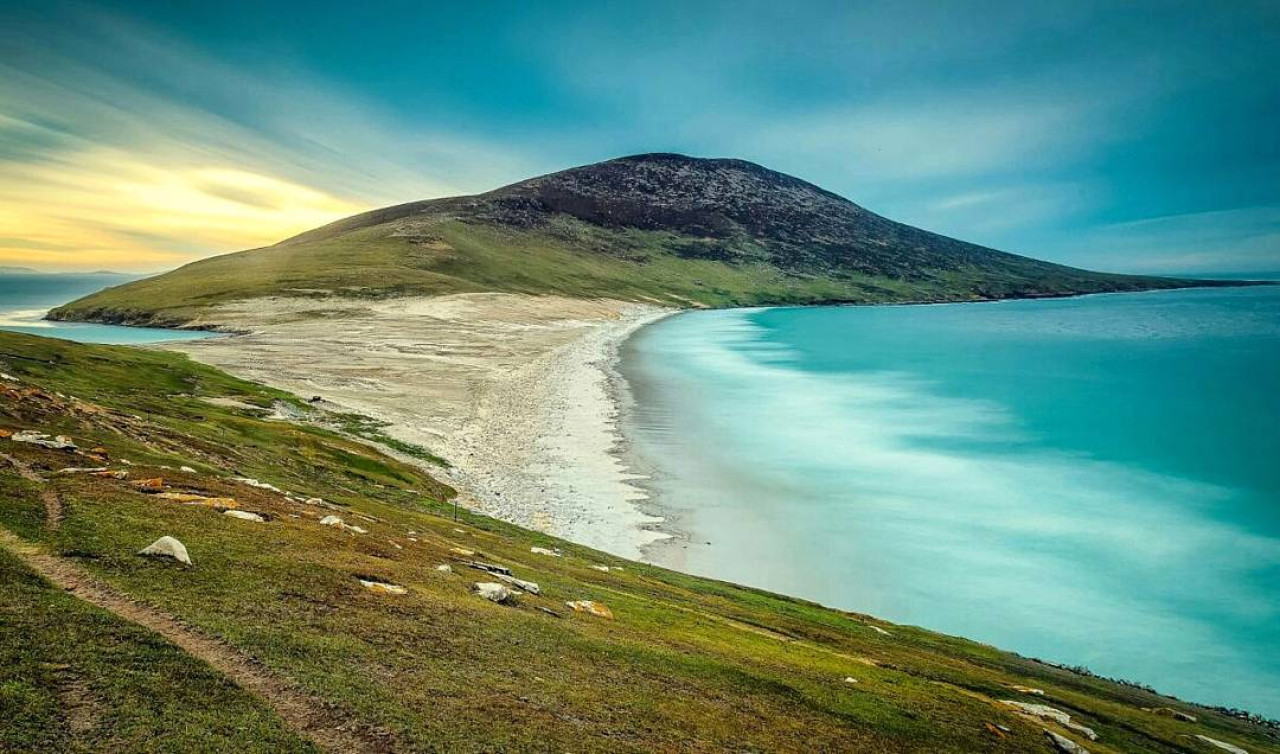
x: 923, y: 507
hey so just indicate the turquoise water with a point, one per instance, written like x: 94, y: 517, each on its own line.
x: 24, y: 299
x: 1093, y: 481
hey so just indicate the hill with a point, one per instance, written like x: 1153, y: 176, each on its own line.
x: 659, y: 227
x: 285, y: 634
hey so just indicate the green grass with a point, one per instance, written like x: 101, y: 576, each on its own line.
x: 569, y: 258
x: 689, y: 664
x: 77, y: 678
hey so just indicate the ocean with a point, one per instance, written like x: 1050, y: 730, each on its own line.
x: 1092, y: 481
x: 24, y: 299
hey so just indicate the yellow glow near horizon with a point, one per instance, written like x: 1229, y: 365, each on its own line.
x: 103, y: 208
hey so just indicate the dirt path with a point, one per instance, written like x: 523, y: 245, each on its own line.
x: 328, y: 728
x: 52, y: 503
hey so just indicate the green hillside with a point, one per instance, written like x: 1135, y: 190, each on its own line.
x: 661, y: 228
x: 685, y: 664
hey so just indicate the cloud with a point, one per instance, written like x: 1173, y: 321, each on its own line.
x: 930, y: 138
x: 122, y: 147
x: 1236, y: 240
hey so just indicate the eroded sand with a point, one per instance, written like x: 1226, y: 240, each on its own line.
x: 517, y: 392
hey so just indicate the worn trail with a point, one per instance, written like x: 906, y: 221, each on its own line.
x: 52, y: 502
x: 328, y: 728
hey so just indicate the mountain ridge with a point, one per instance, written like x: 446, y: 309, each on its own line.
x: 660, y: 227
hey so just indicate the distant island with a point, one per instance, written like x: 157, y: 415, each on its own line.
x: 5, y: 270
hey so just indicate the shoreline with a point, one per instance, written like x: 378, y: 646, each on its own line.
x: 520, y: 394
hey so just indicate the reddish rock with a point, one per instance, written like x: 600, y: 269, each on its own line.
x: 150, y: 486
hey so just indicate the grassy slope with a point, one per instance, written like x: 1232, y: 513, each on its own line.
x: 570, y: 258
x: 688, y: 665
x: 76, y: 678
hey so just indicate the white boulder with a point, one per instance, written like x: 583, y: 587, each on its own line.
x: 1064, y: 744
x: 167, y: 547
x: 493, y: 592
x: 244, y: 515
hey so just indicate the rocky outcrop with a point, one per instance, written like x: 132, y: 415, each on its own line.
x: 1051, y: 713
x: 1064, y: 744
x: 591, y: 607
x: 383, y: 586
x: 1231, y: 748
x: 61, y: 442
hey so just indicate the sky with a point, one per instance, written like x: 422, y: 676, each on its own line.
x: 1135, y: 137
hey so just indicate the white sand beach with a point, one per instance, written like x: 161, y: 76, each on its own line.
x: 517, y: 392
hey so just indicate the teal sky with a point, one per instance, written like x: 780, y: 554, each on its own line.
x: 1134, y: 136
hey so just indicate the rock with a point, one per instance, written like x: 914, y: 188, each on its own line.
x: 382, y: 586
x: 553, y: 614
x: 338, y: 522
x: 99, y: 451
x: 1064, y: 744
x: 1050, y: 713
x: 187, y: 498
x: 464, y: 552
x: 150, y: 486
x: 1170, y: 712
x: 186, y: 469
x: 594, y: 608
x: 493, y: 592
x: 601, y: 568
x: 120, y: 474
x: 5, y: 434
x: 1221, y: 745
x: 527, y: 586
x: 879, y: 630
x: 76, y: 470
x: 544, y: 551
x: 167, y: 547
x: 490, y: 568
x: 259, y: 485
x: 994, y: 730
x: 1028, y: 690
x: 61, y: 442
x: 244, y: 516
x: 850, y: 679
x: 444, y: 568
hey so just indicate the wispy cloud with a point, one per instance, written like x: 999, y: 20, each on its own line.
x: 1237, y: 240
x: 163, y: 154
